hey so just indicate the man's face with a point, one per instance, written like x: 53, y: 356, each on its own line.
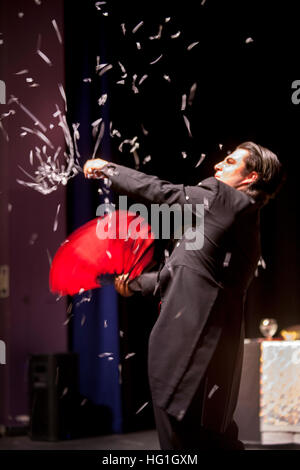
x: 232, y: 169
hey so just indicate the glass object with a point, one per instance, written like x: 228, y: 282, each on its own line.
x: 268, y: 327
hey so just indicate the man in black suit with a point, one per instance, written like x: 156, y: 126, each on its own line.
x: 196, y: 345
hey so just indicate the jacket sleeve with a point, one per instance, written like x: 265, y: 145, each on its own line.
x: 145, y: 283
x: 142, y: 187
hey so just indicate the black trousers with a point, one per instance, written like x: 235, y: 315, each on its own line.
x: 189, y: 434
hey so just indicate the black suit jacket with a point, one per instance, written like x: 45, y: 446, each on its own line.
x: 198, y: 336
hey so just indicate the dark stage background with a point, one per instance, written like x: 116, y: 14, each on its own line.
x: 243, y: 62
x: 243, y: 93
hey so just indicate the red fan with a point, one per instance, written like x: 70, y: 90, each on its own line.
x: 118, y: 243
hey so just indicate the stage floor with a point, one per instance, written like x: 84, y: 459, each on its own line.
x: 142, y: 440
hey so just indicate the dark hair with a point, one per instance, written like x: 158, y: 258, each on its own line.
x: 269, y: 169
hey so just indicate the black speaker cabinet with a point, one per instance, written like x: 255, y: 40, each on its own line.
x: 53, y: 393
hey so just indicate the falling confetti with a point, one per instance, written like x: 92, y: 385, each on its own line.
x: 213, y: 390
x: 44, y: 57
x: 203, y: 155
x: 105, y: 69
x: 227, y: 260
x: 156, y: 60
x: 137, y: 27
x: 176, y: 35
x: 248, y: 40
x: 102, y: 99
x: 57, y: 31
x: 142, y: 407
x: 187, y: 123
x: 193, y: 44
x: 192, y: 94
x: 128, y: 356
x: 105, y: 354
x: 158, y: 35
x: 56, y: 219
x: 183, y: 102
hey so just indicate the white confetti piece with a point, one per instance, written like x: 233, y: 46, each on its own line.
x: 84, y: 401
x: 166, y: 77
x: 5, y: 134
x: 213, y: 390
x: 147, y: 159
x: 176, y: 35
x: 167, y: 19
x: 142, y: 407
x: 145, y: 132
x: 123, y: 27
x: 99, y: 138
x: 187, y: 123
x: 56, y: 219
x: 156, y: 60
x: 203, y: 155
x: 49, y: 257
x: 138, y: 45
x: 193, y: 44
x: 63, y: 94
x: 81, y: 290
x: 9, y: 207
x: 220, y: 146
x: 98, y: 5
x: 20, y: 14
x: 83, y: 320
x: 105, y: 354
x: 120, y: 82
x: 38, y: 2
x: 178, y: 315
x: 44, y: 57
x: 102, y: 100
x: 183, y: 102
x: 68, y: 320
x: 87, y: 80
x: 128, y: 356
x: 158, y: 35
x: 137, y: 27
x: 105, y: 324
x: 184, y: 154
x: 65, y: 391
x: 22, y: 72
x: 192, y: 94
x: 226, y: 260
x: 29, y: 80
x: 248, y: 40
x: 108, y: 254
x: 57, y: 31
x: 105, y: 69
x: 261, y: 262
x: 133, y: 86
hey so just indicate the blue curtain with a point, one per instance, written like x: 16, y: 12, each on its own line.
x: 94, y: 328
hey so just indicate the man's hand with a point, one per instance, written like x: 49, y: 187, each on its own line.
x: 121, y: 285
x: 92, y: 168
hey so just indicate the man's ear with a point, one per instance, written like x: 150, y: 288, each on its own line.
x: 251, y: 178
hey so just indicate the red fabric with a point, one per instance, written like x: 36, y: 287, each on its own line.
x: 86, y: 255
